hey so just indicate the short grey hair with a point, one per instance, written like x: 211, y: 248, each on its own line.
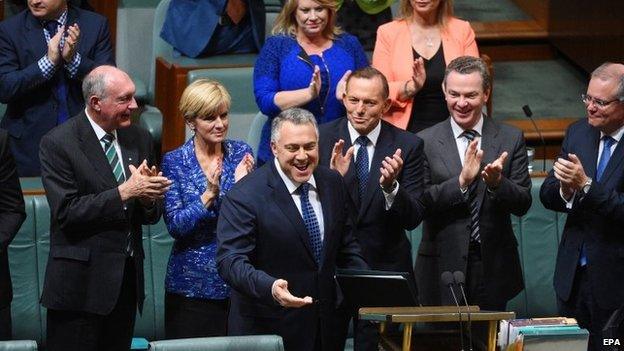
x: 296, y: 116
x: 94, y: 84
x: 467, y: 65
x: 607, y: 72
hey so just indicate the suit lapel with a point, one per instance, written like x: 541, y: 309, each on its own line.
x: 588, y: 153
x: 325, y: 196
x: 34, y: 36
x: 491, y: 151
x: 448, y: 149
x: 285, y: 203
x: 129, y: 151
x: 92, y: 148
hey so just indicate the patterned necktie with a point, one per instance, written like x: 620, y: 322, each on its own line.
x: 60, y: 88
x: 361, y: 164
x: 311, y: 223
x: 472, y: 196
x: 607, y: 143
x: 113, y: 159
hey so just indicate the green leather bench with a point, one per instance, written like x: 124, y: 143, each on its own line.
x: 18, y: 345
x: 225, y: 343
x: 538, y: 233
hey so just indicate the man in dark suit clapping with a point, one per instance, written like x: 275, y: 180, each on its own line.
x: 383, y: 170
x: 100, y: 190
x: 586, y: 182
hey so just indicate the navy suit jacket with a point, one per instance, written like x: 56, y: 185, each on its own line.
x: 189, y: 24
x: 595, y: 220
x: 31, y: 102
x: 381, y: 232
x: 89, y: 223
x: 261, y: 237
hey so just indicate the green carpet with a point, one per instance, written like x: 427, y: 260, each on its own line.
x: 489, y: 11
x: 552, y: 88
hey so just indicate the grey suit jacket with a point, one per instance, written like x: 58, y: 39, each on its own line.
x: 446, y: 234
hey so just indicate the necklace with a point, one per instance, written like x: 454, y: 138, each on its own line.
x: 428, y: 41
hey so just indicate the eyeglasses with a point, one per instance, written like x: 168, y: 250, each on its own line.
x: 587, y: 99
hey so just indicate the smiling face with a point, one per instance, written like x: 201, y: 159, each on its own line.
x: 365, y: 103
x: 311, y: 18
x: 610, y: 117
x: 212, y: 129
x: 114, y: 110
x: 296, y: 150
x: 465, y: 97
x: 46, y: 9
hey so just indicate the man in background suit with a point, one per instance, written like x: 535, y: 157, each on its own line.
x: 282, y: 231
x: 476, y: 177
x: 100, y: 191
x: 214, y: 27
x: 12, y: 216
x: 384, y: 181
x: 45, y: 52
x: 587, y: 182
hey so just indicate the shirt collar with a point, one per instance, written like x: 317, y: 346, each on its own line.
x: 457, y: 130
x: 372, y: 136
x: 617, y: 135
x: 291, y: 185
x: 62, y: 19
x: 99, y: 132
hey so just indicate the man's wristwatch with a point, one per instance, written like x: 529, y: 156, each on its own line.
x: 587, y: 185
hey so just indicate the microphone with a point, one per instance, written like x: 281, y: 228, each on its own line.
x: 449, y: 281
x: 460, y: 280
x: 527, y: 112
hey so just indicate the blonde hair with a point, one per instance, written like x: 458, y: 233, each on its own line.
x: 286, y: 23
x: 204, y: 97
x: 445, y: 11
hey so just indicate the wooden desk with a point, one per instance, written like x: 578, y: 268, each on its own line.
x: 410, y: 315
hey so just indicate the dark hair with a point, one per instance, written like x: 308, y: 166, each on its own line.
x: 467, y: 65
x: 371, y: 73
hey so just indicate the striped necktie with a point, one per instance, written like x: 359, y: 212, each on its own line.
x: 113, y: 158
x: 475, y: 236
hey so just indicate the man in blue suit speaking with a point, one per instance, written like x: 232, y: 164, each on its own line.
x: 282, y: 232
x: 45, y: 51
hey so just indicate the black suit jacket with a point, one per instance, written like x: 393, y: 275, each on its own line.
x: 595, y: 220
x: 446, y: 231
x: 261, y: 237
x: 30, y: 98
x: 381, y: 232
x: 12, y: 215
x: 89, y: 224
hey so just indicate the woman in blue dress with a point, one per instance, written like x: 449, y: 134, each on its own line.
x: 202, y: 171
x: 304, y: 64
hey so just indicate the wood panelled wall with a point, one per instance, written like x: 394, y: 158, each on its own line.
x: 587, y: 32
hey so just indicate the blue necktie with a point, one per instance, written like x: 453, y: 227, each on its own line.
x: 60, y: 88
x: 311, y: 223
x: 361, y: 165
x: 607, y: 143
x: 475, y: 235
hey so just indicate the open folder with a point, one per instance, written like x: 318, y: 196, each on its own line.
x: 368, y: 288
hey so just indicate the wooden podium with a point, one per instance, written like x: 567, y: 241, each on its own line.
x: 410, y: 315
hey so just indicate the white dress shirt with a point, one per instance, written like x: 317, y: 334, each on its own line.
x: 315, y: 201
x: 99, y: 132
x: 370, y: 148
x: 461, y: 141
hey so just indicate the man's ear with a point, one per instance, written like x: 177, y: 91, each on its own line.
x: 95, y: 103
x: 274, y: 148
x: 387, y: 104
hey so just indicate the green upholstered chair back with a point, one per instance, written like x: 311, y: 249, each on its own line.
x: 225, y: 343
x: 239, y: 83
x: 159, y: 46
x: 255, y: 131
x: 18, y: 345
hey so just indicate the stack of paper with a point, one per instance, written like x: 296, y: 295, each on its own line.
x: 537, y: 334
